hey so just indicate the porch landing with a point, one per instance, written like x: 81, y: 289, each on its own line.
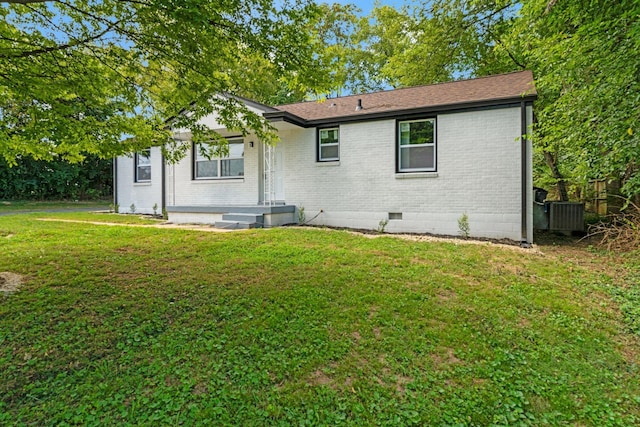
x: 233, y: 216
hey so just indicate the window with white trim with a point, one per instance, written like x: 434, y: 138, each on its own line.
x: 143, y: 166
x: 229, y: 166
x: 328, y: 144
x: 417, y: 145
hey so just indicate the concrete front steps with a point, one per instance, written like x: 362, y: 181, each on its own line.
x: 234, y: 217
x: 243, y: 221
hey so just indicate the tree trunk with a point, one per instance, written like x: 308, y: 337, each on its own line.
x: 555, y: 172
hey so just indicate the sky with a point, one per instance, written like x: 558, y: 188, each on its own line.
x: 367, y: 5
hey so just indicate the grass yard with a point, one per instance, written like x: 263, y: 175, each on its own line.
x: 147, y: 326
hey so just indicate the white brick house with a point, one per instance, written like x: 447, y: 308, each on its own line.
x: 418, y: 158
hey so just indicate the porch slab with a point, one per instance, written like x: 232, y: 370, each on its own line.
x: 224, y: 209
x: 273, y: 216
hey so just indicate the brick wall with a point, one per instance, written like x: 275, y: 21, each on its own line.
x: 184, y: 191
x: 478, y: 172
x: 142, y: 194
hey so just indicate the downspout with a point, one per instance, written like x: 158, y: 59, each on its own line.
x: 524, y: 187
x: 163, y: 199
x: 115, y: 183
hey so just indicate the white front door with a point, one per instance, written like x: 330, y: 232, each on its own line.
x: 279, y: 175
x: 273, y: 173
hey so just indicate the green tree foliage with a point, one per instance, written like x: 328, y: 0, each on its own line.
x: 585, y: 56
x: 33, y: 179
x: 438, y: 42
x: 334, y: 32
x: 100, y: 77
x: 380, y: 40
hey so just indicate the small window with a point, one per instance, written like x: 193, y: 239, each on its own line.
x: 229, y: 166
x: 143, y: 166
x: 417, y: 145
x: 328, y: 144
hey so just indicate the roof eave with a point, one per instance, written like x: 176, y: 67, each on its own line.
x: 250, y: 102
x: 285, y: 116
x: 246, y: 101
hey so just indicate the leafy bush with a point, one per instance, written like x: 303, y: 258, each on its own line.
x: 463, y: 225
x: 40, y: 180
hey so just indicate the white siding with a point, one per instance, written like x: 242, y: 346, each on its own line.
x: 478, y: 172
x: 144, y: 195
x: 182, y: 190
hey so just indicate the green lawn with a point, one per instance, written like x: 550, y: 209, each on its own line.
x: 129, y: 325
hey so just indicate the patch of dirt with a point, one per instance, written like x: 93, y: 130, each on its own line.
x: 401, y: 382
x: 171, y: 381
x: 500, y: 268
x: 446, y: 295
x: 434, y: 323
x: 320, y: 378
x: 200, y: 389
x: 479, y: 381
x: 445, y: 359
x: 373, y: 311
x: 10, y: 282
x: 629, y: 348
x: 524, y: 323
x: 125, y: 250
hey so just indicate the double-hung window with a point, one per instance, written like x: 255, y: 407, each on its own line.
x: 328, y: 144
x: 143, y: 166
x: 209, y: 166
x: 417, y: 145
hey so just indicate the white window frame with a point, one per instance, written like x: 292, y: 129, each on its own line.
x: 402, y: 148
x: 329, y: 144
x: 140, y: 163
x: 197, y: 158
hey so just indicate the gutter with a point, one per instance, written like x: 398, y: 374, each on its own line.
x: 115, y: 182
x: 163, y: 195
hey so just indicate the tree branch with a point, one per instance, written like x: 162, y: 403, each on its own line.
x: 25, y: 1
x: 555, y: 172
x: 511, y: 55
x: 60, y: 46
x: 550, y: 6
x: 493, y: 13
